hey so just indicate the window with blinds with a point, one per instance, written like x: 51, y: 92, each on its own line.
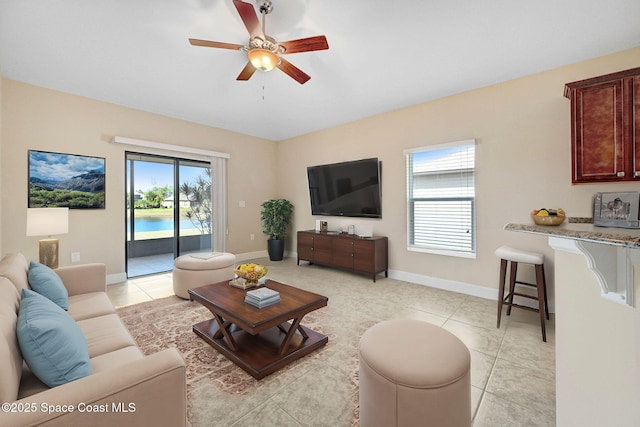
x: 441, y: 199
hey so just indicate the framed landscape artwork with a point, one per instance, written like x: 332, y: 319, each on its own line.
x: 66, y: 180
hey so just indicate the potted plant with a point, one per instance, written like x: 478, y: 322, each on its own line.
x: 275, y: 216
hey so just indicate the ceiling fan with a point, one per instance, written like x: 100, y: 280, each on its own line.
x: 264, y: 51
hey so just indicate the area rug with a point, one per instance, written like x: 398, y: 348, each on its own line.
x: 167, y: 322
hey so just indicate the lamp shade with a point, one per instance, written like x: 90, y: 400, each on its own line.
x: 263, y: 59
x: 47, y: 221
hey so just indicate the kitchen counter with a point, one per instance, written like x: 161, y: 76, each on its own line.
x: 611, y: 252
x: 597, y: 322
x: 584, y: 232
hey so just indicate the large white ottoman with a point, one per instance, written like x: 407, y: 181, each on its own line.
x: 194, y: 270
x: 413, y: 373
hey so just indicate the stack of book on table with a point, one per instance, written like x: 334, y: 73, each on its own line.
x: 262, y: 297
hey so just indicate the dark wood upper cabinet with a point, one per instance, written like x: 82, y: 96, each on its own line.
x: 605, y: 127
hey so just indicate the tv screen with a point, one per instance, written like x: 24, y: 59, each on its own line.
x: 346, y: 189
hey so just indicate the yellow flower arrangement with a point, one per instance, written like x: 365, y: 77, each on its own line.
x: 251, y: 272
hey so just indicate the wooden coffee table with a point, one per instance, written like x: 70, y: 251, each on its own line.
x: 260, y: 341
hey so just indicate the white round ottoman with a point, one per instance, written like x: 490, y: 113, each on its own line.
x: 194, y: 270
x: 413, y: 373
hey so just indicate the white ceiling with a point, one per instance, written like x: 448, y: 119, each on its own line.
x: 383, y: 55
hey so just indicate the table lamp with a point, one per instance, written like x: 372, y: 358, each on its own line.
x: 48, y: 222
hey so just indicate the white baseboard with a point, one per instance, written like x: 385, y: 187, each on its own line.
x: 448, y: 285
x: 420, y: 279
x: 435, y: 282
x: 251, y: 255
x: 460, y: 287
x: 112, y: 279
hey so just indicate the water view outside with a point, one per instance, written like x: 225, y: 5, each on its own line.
x: 153, y: 209
x: 159, y: 225
x: 152, y: 223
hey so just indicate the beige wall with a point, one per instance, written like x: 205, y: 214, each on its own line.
x: 1, y: 251
x: 522, y: 128
x: 42, y: 119
x: 523, y: 162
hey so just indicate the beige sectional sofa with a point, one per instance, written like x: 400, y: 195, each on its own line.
x: 124, y: 387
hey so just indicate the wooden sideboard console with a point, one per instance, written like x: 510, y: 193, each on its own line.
x: 368, y: 255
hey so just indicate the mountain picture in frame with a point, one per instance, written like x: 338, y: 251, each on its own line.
x: 66, y: 180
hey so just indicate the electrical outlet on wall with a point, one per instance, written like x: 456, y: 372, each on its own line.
x: 75, y: 256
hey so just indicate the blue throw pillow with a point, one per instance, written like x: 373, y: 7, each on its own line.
x: 51, y: 342
x: 46, y: 282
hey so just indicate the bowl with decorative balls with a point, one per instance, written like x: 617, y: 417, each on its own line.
x: 548, y: 216
x: 252, y: 273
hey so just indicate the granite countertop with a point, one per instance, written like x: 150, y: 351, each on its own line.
x: 581, y: 229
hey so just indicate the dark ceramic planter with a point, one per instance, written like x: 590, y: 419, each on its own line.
x: 275, y: 249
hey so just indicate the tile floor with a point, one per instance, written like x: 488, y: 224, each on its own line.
x: 147, y: 265
x: 512, y: 370
x: 153, y: 264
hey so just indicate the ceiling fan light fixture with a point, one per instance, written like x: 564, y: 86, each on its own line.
x: 262, y: 50
x: 263, y: 59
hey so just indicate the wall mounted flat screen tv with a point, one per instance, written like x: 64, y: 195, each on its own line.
x: 346, y: 189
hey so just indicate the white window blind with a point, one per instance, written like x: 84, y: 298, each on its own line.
x: 441, y: 198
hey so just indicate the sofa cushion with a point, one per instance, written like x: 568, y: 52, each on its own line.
x: 51, y: 342
x: 15, y: 267
x: 92, y: 304
x: 105, y: 334
x: 30, y: 384
x: 47, y: 283
x: 115, y: 359
x: 10, y: 356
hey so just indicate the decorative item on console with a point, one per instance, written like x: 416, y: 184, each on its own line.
x: 363, y: 230
x: 360, y: 230
x: 618, y: 209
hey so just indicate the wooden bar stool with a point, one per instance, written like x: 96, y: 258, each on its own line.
x: 514, y: 256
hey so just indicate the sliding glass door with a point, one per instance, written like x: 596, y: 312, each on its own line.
x: 194, y: 183
x: 168, y: 211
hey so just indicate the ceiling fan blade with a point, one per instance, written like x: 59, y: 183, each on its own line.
x: 208, y: 43
x: 305, y: 45
x: 248, y: 15
x: 294, y: 72
x: 246, y: 72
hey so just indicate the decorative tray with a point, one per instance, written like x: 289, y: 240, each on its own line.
x: 241, y: 283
